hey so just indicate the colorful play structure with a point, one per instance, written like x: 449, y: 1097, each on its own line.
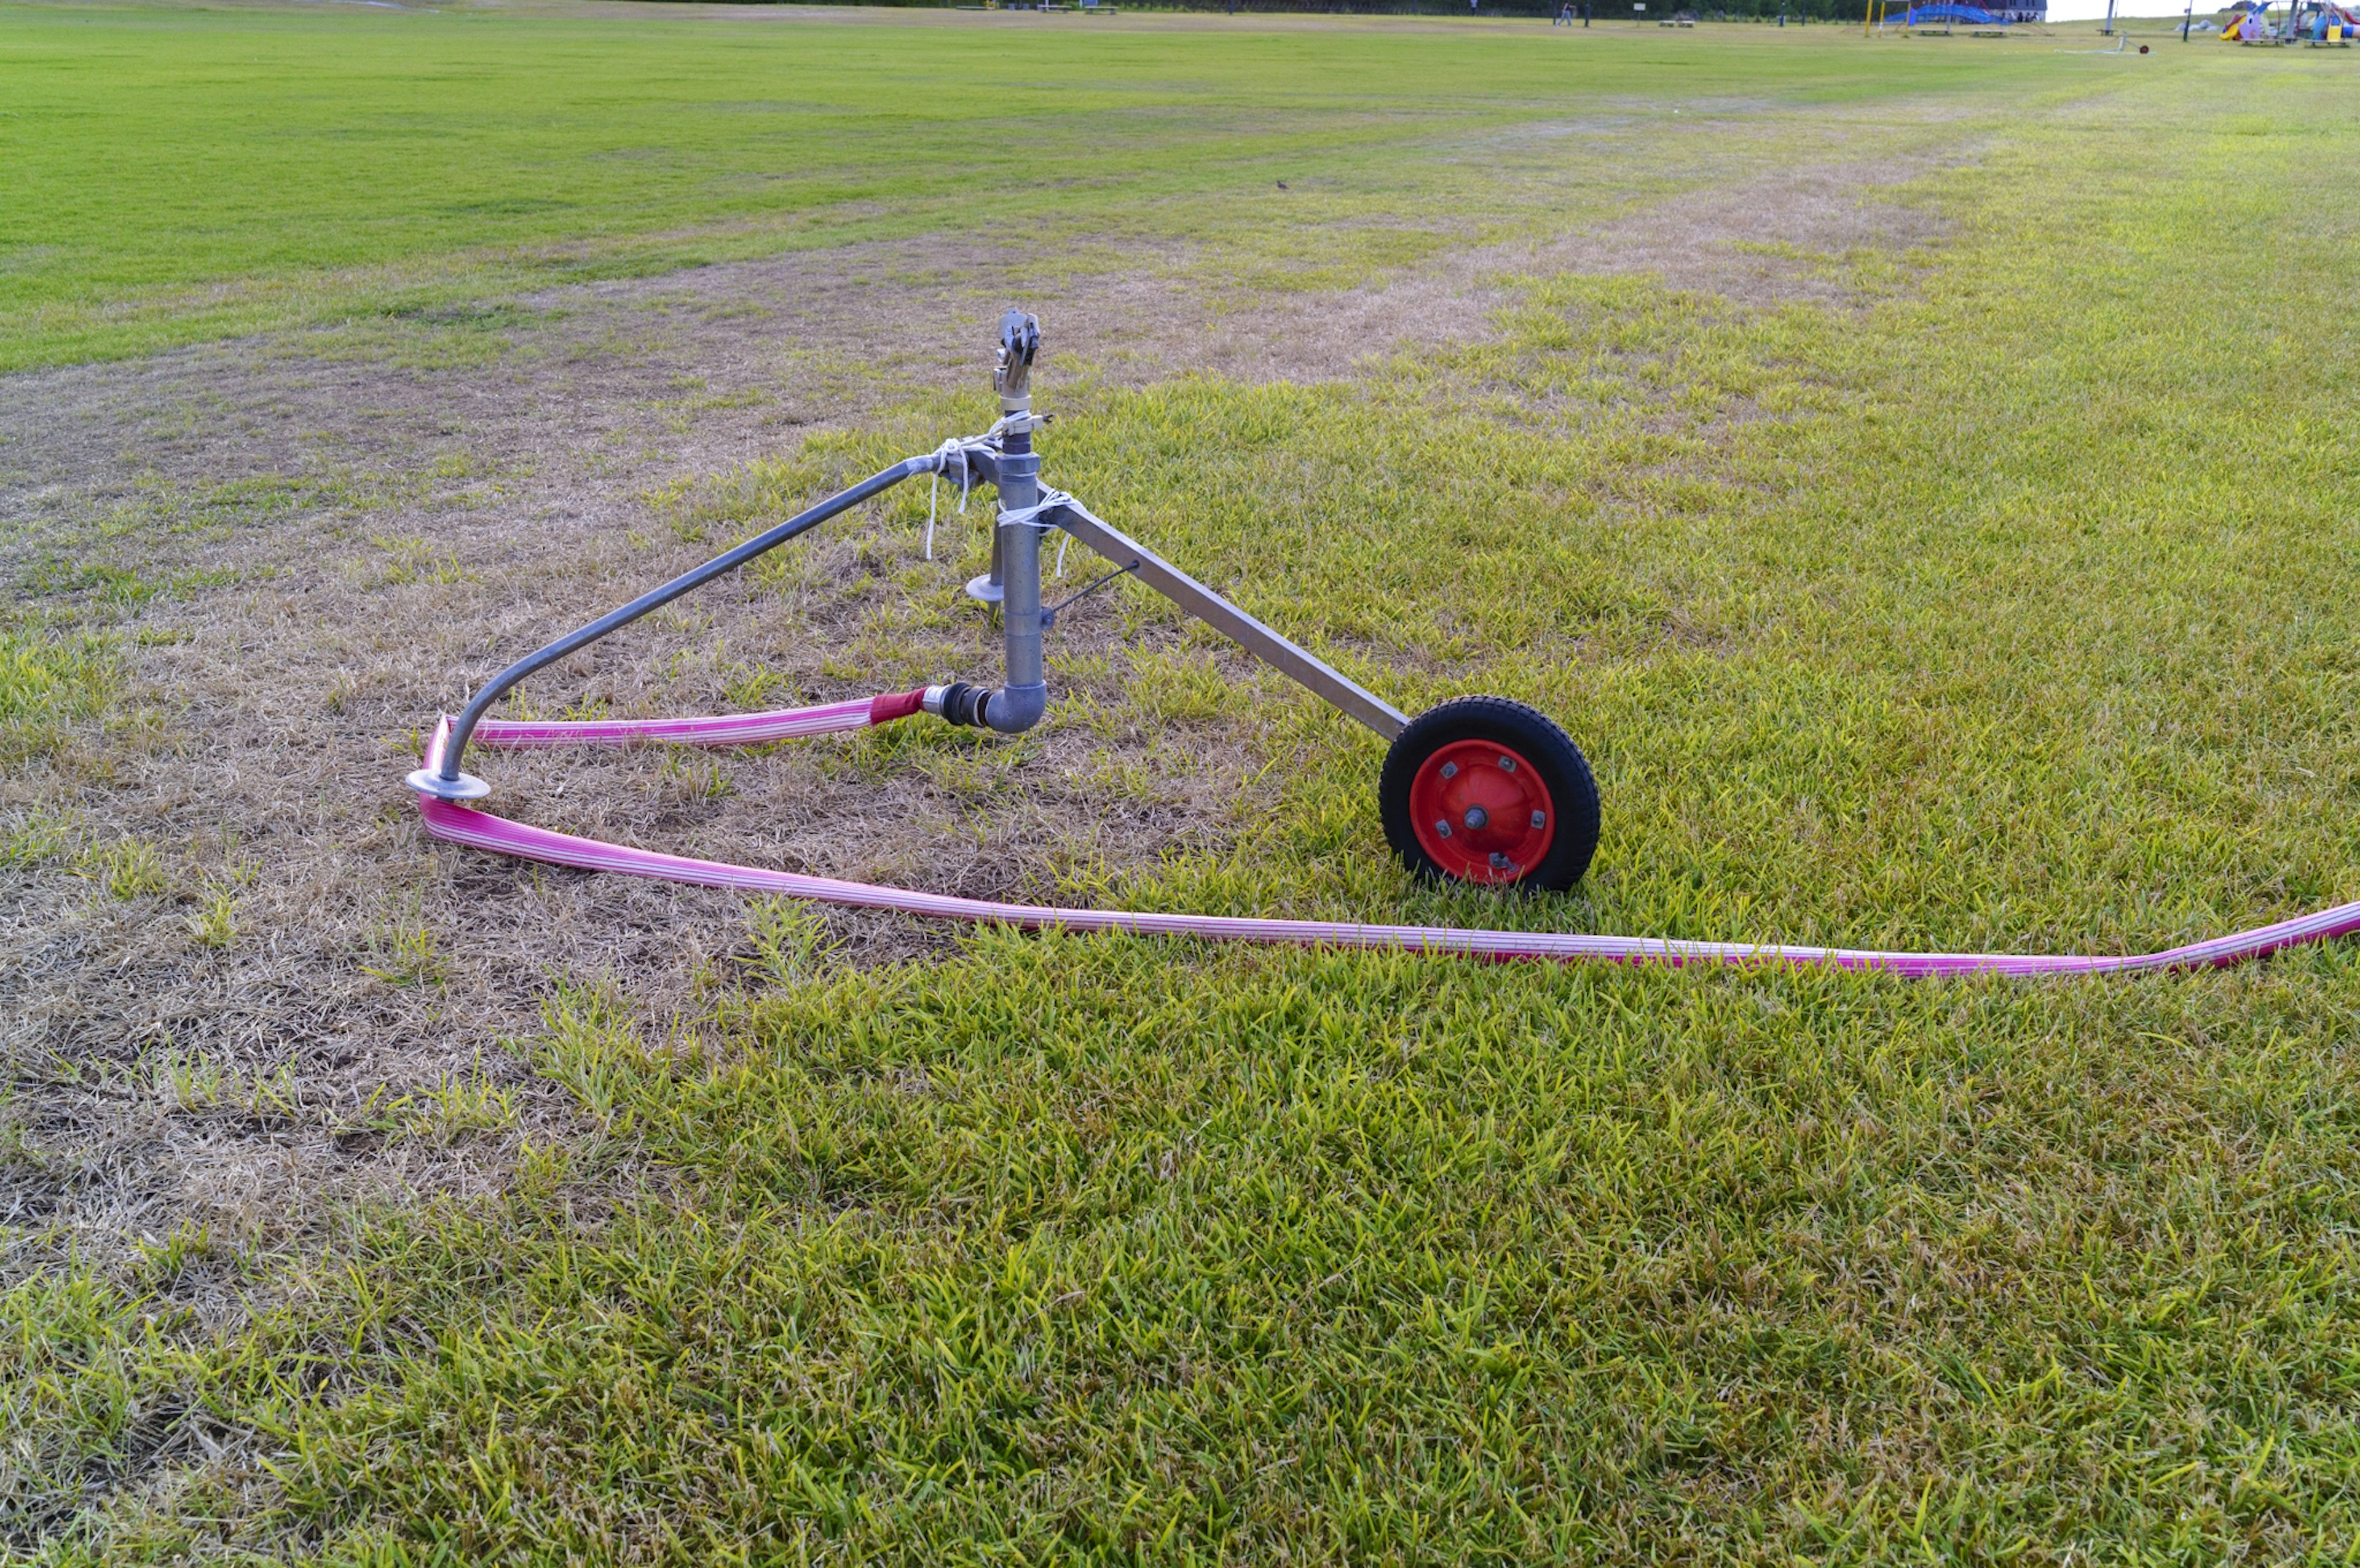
x: 2318, y: 24
x: 2248, y: 25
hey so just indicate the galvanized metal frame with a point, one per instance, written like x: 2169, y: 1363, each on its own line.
x: 1006, y: 461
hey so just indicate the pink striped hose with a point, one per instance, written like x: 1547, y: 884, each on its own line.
x: 481, y: 830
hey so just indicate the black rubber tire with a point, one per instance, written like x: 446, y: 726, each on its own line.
x: 1533, y: 735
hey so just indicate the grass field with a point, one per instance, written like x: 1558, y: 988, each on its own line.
x: 172, y: 175
x: 1919, y: 474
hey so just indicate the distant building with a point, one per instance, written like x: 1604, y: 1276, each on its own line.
x: 2095, y: 10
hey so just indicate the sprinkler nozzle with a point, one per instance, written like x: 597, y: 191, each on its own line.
x: 1020, y: 341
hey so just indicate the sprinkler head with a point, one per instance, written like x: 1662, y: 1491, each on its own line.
x: 1020, y: 339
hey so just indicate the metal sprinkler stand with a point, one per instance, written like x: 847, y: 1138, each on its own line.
x: 1478, y: 790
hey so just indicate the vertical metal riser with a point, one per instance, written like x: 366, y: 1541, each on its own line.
x: 1018, y: 705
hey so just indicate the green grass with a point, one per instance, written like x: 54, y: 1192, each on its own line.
x: 2011, y: 607
x: 168, y: 176
x: 48, y: 681
x: 1109, y: 1251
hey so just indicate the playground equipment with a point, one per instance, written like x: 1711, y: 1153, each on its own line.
x: 2322, y: 23
x: 2317, y: 23
x: 1478, y: 789
x: 2249, y: 25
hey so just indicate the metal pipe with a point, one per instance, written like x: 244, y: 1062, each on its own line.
x: 448, y: 783
x: 1024, y: 695
x: 1289, y: 658
x: 1017, y: 706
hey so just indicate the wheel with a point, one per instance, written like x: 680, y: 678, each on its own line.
x: 1484, y: 790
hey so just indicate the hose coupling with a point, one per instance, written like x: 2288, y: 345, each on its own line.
x: 957, y: 703
x: 1011, y: 711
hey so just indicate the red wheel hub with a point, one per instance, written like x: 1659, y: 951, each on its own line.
x: 1481, y: 812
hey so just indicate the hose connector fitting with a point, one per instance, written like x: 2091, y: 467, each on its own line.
x: 957, y: 703
x: 1011, y: 711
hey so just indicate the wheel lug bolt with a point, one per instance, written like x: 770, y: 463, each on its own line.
x: 1507, y: 765
x: 1540, y: 819
x: 1442, y: 829
x: 1476, y: 817
x: 1499, y: 861
x: 1450, y: 770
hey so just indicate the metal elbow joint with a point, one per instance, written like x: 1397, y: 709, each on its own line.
x: 1011, y: 710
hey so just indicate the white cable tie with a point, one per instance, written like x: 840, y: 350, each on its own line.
x: 956, y: 447
x: 1049, y: 502
x: 1016, y: 424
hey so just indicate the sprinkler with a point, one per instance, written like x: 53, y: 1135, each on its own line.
x: 1478, y: 791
